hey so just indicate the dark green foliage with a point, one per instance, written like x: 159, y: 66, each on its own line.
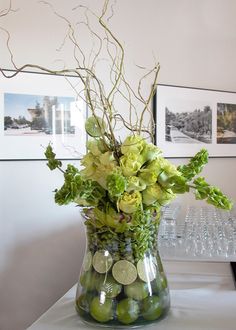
x: 75, y: 189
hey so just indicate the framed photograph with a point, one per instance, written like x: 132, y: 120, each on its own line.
x: 188, y: 119
x: 37, y: 109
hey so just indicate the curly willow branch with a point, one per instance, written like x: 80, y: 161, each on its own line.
x: 95, y: 95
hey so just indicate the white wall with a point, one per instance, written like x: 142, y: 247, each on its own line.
x: 41, y: 243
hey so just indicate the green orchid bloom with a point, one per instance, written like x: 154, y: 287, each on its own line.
x: 110, y: 218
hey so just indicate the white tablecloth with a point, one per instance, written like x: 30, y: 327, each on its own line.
x: 203, y: 297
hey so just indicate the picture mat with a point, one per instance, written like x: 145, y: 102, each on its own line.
x: 173, y: 97
x: 66, y: 146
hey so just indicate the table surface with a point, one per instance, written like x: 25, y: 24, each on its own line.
x: 203, y: 297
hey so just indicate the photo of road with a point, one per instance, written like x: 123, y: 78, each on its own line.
x: 189, y: 119
x: 226, y: 123
x: 176, y: 136
x: 189, y: 126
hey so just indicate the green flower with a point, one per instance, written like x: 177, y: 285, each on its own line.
x: 130, y: 164
x: 81, y: 202
x: 133, y: 144
x: 161, y: 164
x: 147, y: 176
x: 109, y: 218
x: 212, y: 194
x: 150, y: 152
x: 129, y: 202
x: 155, y: 166
x: 170, y: 169
x: 96, y: 147
x: 116, y: 184
x: 155, y: 193
x: 98, y: 168
x: 89, y: 162
x: 53, y: 163
x: 135, y: 183
x: 106, y: 158
x: 90, y: 194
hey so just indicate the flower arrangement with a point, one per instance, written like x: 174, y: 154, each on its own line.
x: 122, y: 186
x: 122, y: 190
x: 138, y: 180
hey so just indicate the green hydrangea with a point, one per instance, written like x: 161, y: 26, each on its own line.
x: 116, y: 184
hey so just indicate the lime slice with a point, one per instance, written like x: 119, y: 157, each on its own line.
x: 95, y: 126
x: 124, y: 272
x: 146, y: 269
x: 102, y: 261
x: 127, y: 311
x: 151, y: 308
x: 137, y: 290
x: 87, y: 261
x: 101, y: 309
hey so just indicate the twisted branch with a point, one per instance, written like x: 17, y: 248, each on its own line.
x: 97, y: 99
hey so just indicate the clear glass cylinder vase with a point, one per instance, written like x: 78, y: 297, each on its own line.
x: 122, y: 281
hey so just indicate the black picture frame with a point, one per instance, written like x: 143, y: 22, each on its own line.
x: 37, y: 109
x: 188, y: 119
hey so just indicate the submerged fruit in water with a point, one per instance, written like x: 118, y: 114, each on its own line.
x: 108, y: 285
x: 101, y: 309
x: 127, y: 311
x: 137, y: 290
x: 151, y: 308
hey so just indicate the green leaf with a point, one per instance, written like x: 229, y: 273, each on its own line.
x: 195, y: 165
x: 211, y: 194
x: 53, y: 163
x: 177, y: 183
